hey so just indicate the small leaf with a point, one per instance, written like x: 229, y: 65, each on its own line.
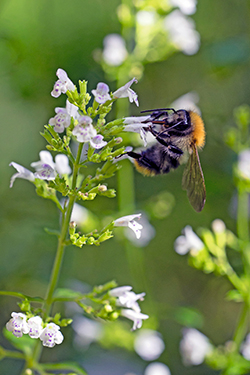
x: 67, y: 293
x: 234, y: 295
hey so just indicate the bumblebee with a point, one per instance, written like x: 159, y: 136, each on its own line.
x: 176, y: 132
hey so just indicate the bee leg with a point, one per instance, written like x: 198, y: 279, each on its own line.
x: 175, y: 150
x: 145, y: 163
x: 161, y: 137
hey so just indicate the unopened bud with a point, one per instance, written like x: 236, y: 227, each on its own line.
x: 102, y: 188
x: 118, y: 139
x: 72, y: 224
x: 218, y: 226
x: 108, y: 308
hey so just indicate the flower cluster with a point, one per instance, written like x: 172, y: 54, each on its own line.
x: 127, y: 300
x: 50, y: 335
x: 46, y: 168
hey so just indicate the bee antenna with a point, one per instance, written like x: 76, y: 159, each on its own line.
x: 159, y: 109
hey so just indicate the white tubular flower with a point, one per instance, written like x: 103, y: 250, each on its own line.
x: 114, y: 52
x: 46, y: 169
x: 22, y: 173
x: 35, y: 325
x: 45, y: 158
x: 17, y: 324
x: 51, y: 335
x: 126, y: 92
x: 97, y: 142
x: 194, y: 347
x: 147, y: 233
x: 63, y: 116
x: 126, y: 298
x: 149, y: 344
x: 84, y: 131
x: 157, y: 368
x: 62, y: 164
x: 188, y: 242
x: 128, y: 221
x: 101, y: 93
x: 63, y: 84
x: 136, y: 317
x: 244, y: 164
x: 61, y: 120
x: 46, y: 172
x: 245, y: 348
x: 182, y: 32
x: 188, y: 101
x: 137, y: 125
x: 186, y: 6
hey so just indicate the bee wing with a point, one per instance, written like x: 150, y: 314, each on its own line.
x: 193, y: 181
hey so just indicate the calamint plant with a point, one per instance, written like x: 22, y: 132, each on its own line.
x: 64, y: 179
x: 211, y: 252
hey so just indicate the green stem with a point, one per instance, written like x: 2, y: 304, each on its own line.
x: 242, y: 326
x: 59, y: 254
x: 242, y: 215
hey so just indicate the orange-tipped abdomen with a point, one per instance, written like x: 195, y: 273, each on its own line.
x: 199, y: 133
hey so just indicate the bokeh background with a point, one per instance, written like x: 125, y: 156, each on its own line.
x: 37, y: 37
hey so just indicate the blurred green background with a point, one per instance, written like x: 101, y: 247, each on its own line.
x: 37, y: 37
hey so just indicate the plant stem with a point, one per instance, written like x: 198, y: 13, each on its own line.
x: 60, y: 252
x: 242, y: 326
x: 242, y: 227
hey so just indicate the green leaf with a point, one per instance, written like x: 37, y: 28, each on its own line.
x: 65, y: 366
x: 234, y: 295
x: 67, y: 294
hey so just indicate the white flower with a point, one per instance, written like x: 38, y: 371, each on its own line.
x: 188, y: 101
x: 149, y: 344
x: 137, y: 317
x: 244, y: 163
x: 63, y: 84
x: 147, y: 233
x: 97, y: 142
x: 35, y: 326
x: 46, y: 172
x: 17, y: 324
x: 126, y: 298
x: 62, y: 164
x: 188, y: 242
x: 86, y: 330
x: 63, y: 117
x: 157, y: 368
x: 22, y: 173
x: 245, y: 348
x: 186, y: 6
x: 126, y: 92
x: 137, y: 125
x: 182, y: 32
x: 84, y: 131
x: 146, y: 18
x: 45, y: 158
x: 114, y: 52
x: 101, y: 93
x: 128, y: 221
x: 46, y: 169
x: 51, y: 335
x: 79, y: 214
x: 194, y: 347
x: 61, y: 120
